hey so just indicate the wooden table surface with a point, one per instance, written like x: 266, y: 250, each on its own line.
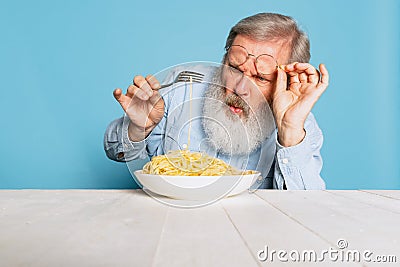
x: 129, y: 228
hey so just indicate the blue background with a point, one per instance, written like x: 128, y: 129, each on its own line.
x: 61, y: 60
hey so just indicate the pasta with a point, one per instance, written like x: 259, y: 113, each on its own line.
x: 186, y: 163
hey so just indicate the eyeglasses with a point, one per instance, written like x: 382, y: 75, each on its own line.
x: 238, y: 55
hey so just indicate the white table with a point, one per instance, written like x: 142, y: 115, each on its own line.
x: 129, y: 228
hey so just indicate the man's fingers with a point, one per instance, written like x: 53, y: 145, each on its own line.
x: 153, y: 82
x: 304, y: 70
x: 324, y: 74
x: 122, y: 99
x: 303, y: 77
x: 294, y: 79
x: 138, y: 92
x: 117, y: 94
x: 299, y: 67
x: 312, y: 74
x: 140, y: 82
x: 134, y: 91
x: 130, y: 92
x: 281, y: 81
x: 323, y: 82
x: 155, y: 98
x: 290, y: 67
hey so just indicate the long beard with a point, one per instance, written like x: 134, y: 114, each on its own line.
x: 229, y: 133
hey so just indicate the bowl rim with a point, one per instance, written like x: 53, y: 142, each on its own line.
x: 140, y: 171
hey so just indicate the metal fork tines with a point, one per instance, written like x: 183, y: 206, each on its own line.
x: 186, y: 76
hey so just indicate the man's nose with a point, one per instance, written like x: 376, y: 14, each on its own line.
x: 245, y: 84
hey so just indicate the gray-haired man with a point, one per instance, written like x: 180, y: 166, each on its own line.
x: 256, y: 109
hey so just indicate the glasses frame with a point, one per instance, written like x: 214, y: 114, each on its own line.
x: 228, y: 49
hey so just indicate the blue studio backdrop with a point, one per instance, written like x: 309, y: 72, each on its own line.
x: 61, y: 60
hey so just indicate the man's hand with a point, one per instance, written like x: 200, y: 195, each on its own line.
x: 292, y: 103
x: 143, y: 105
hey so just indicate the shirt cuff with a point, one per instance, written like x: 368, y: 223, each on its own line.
x: 297, y: 155
x: 290, y: 160
x: 130, y: 150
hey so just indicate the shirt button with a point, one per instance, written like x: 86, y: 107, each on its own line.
x: 184, y: 146
x: 285, y: 161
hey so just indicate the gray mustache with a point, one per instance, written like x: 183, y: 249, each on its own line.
x: 236, y: 101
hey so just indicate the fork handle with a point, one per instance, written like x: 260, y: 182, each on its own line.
x: 165, y: 85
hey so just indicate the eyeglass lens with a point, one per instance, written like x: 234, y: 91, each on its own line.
x: 238, y: 55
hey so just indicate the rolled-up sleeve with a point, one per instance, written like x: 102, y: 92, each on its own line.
x: 117, y: 145
x: 298, y: 167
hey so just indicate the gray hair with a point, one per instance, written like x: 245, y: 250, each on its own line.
x: 270, y: 26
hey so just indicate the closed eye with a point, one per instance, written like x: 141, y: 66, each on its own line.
x: 262, y: 79
x: 234, y: 69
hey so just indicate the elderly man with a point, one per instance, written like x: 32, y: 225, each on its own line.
x: 256, y: 109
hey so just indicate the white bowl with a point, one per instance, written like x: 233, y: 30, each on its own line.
x: 196, y: 187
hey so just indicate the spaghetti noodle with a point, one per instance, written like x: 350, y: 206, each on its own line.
x: 186, y: 163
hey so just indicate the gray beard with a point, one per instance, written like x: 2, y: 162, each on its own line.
x: 228, y: 133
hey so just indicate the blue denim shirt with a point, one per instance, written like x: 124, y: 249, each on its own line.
x: 296, y: 167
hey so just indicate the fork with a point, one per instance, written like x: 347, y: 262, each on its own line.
x: 186, y: 76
